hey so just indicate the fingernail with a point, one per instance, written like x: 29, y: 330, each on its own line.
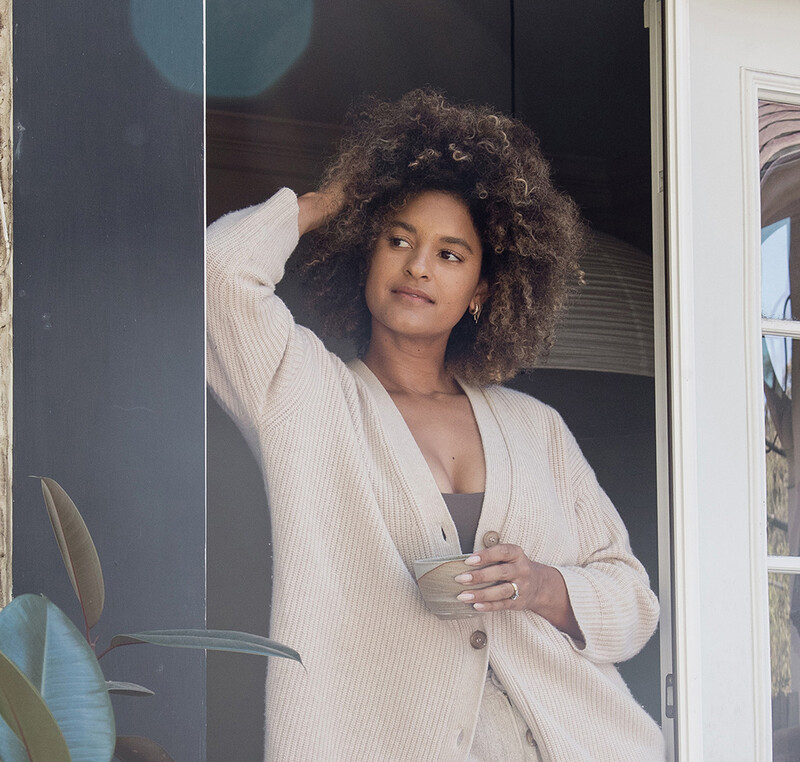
x: 466, y: 597
x: 479, y: 606
x: 472, y: 560
x: 463, y: 578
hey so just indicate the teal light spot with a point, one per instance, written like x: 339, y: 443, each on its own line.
x: 171, y: 35
x: 250, y: 44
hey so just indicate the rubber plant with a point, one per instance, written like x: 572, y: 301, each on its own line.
x: 54, y: 698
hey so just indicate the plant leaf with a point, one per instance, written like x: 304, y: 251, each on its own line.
x: 55, y: 657
x: 138, y: 749
x: 77, y: 550
x: 127, y: 689
x: 26, y: 713
x: 212, y: 640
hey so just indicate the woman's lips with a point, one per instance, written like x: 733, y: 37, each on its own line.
x: 413, y: 293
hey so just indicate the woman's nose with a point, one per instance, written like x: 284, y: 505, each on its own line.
x: 417, y: 265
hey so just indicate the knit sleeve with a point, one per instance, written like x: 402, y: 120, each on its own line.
x: 253, y: 344
x: 608, y: 588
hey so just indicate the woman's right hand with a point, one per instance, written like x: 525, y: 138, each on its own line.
x: 318, y: 207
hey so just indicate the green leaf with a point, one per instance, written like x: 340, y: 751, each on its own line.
x: 26, y: 713
x: 55, y: 657
x: 138, y: 749
x: 212, y: 640
x: 77, y: 550
x: 127, y: 689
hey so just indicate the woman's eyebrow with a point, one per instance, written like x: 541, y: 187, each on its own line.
x: 458, y: 242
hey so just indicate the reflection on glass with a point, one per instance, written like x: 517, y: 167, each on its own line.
x: 782, y: 463
x: 779, y: 154
x: 784, y: 616
x: 775, y: 289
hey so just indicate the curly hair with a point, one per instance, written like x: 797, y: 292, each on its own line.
x: 531, y: 234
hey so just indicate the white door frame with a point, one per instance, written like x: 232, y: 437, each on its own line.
x: 654, y: 22
x: 678, y: 285
x: 722, y: 684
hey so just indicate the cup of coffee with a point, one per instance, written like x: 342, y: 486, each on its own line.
x: 436, y: 580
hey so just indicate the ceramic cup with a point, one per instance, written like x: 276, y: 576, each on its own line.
x: 435, y: 577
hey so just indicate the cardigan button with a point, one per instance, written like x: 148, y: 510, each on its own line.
x: 530, y: 739
x: 491, y: 538
x: 478, y: 639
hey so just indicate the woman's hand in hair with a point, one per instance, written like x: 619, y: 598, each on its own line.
x: 540, y: 588
x: 318, y: 207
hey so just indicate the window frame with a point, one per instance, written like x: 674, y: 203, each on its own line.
x: 758, y: 86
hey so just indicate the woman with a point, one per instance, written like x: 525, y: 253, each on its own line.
x: 442, y: 247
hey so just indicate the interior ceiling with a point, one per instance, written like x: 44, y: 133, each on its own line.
x: 581, y: 67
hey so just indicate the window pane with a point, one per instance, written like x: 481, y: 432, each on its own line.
x: 782, y: 461
x: 775, y: 289
x: 779, y: 151
x: 784, y: 619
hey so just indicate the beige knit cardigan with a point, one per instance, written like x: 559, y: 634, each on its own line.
x: 353, y: 503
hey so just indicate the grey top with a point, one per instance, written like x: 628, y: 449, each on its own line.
x: 465, y: 508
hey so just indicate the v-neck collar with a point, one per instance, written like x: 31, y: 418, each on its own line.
x: 497, y: 493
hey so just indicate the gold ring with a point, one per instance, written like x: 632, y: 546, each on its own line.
x: 516, y: 591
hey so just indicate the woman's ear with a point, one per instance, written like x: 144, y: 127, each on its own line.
x: 481, y: 292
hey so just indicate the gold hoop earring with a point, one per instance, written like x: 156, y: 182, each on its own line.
x: 475, y: 311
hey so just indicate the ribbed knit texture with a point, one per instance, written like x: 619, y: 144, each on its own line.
x: 353, y: 503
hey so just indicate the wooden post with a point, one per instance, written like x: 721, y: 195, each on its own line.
x: 6, y: 295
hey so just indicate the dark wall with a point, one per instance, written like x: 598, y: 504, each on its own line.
x: 577, y: 72
x: 353, y: 48
x: 108, y: 324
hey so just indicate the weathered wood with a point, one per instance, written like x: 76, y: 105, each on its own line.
x: 6, y: 292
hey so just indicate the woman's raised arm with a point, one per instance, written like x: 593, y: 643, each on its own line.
x: 252, y: 339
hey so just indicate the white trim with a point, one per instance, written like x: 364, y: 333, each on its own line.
x: 781, y: 565
x: 767, y: 326
x: 755, y: 86
x: 681, y: 322
x: 774, y: 86
x: 205, y: 333
x: 653, y: 23
x: 755, y: 411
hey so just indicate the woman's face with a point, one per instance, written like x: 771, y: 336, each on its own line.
x: 425, y: 269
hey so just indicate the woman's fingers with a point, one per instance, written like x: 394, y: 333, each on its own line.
x: 498, y: 567
x: 334, y: 199
x: 493, y: 598
x: 318, y: 207
x: 494, y: 573
x: 500, y: 562
x: 503, y: 553
x: 502, y: 591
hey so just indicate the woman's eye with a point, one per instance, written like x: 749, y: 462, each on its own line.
x: 450, y: 256
x: 399, y: 242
